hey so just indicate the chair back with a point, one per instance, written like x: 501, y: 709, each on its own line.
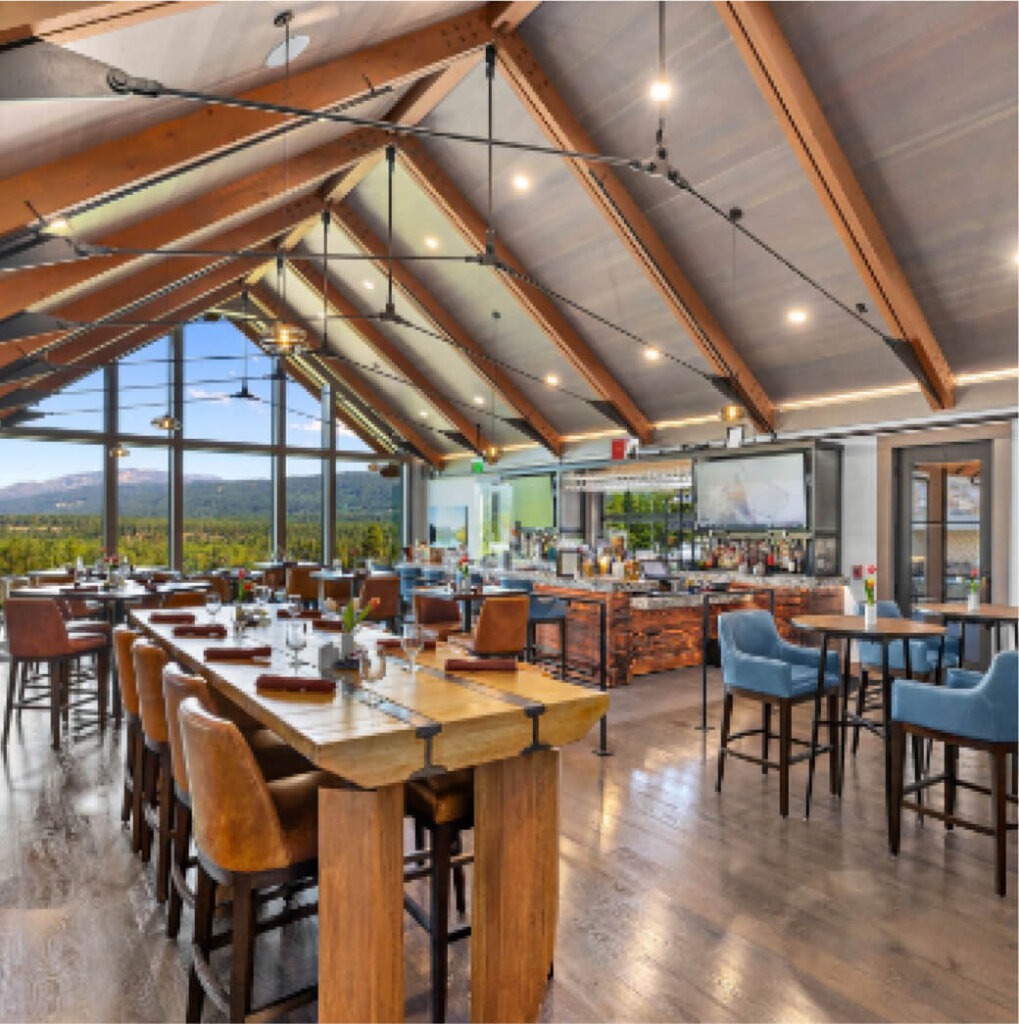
x: 184, y: 599
x: 428, y: 610
x: 236, y: 824
x: 410, y: 578
x: 432, y: 577
x: 387, y: 590
x: 870, y: 651
x: 123, y: 641
x: 35, y: 629
x: 218, y: 583
x: 885, y: 610
x: 751, y: 632
x: 177, y: 687
x: 148, y: 674
x: 299, y: 582
x: 340, y: 591
x: 502, y: 626
x: 516, y: 583
x: 1000, y: 690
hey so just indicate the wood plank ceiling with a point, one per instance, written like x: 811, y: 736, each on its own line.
x: 874, y: 148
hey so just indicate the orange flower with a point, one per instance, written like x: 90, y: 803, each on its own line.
x: 375, y: 602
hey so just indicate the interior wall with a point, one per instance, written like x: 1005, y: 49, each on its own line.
x: 859, y: 510
x: 457, y: 491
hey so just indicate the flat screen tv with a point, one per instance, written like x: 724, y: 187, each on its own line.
x: 767, y: 492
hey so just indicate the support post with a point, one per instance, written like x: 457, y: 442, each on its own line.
x: 328, y: 474
x: 602, y: 750
x: 111, y: 463
x: 176, y: 457
x: 279, y: 457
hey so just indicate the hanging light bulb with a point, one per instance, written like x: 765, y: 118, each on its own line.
x: 165, y: 422
x: 120, y: 452
x: 731, y: 413
x: 281, y: 338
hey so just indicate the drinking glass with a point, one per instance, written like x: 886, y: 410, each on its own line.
x: 261, y: 596
x: 411, y: 643
x: 294, y: 604
x: 213, y: 603
x: 371, y: 664
x: 297, y: 640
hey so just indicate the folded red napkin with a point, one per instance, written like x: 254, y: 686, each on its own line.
x: 328, y: 625
x: 308, y: 613
x: 172, y: 618
x: 295, y: 684
x: 87, y: 587
x: 393, y: 643
x: 237, y: 653
x: 209, y: 629
x: 481, y: 665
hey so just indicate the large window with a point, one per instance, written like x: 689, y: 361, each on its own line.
x: 142, y: 390
x: 144, y: 506
x: 79, y: 406
x: 50, y: 504
x: 651, y: 520
x: 367, y: 513
x: 304, y: 508
x: 304, y: 417
x: 227, y: 510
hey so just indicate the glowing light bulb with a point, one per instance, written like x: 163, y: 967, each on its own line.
x: 797, y: 316
x: 660, y: 90
x: 478, y: 400
x: 521, y: 182
x: 551, y: 380
x: 431, y: 242
x: 652, y: 355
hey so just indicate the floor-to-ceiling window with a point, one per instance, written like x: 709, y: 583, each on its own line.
x: 367, y: 512
x: 304, y: 508
x: 143, y: 499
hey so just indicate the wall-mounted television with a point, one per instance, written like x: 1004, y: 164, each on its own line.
x: 767, y: 492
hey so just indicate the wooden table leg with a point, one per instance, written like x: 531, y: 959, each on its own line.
x: 360, y: 904
x: 516, y: 885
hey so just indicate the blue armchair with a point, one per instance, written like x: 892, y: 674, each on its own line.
x: 979, y: 712
x: 758, y: 663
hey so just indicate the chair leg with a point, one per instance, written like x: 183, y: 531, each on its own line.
x: 917, y: 748
x: 103, y: 685
x: 999, y: 800
x: 785, y: 749
x: 56, y: 678
x: 898, y: 745
x: 125, y: 806
x: 562, y: 660
x: 181, y: 849
x: 442, y: 838
x: 1014, y: 789
x: 951, y: 775
x: 723, y: 738
x: 12, y: 689
x: 765, y: 735
x: 205, y: 907
x: 833, y: 743
x: 150, y: 773
x: 138, y: 755
x: 459, y: 883
x: 419, y: 839
x: 242, y: 952
x: 861, y: 703
x: 165, y: 838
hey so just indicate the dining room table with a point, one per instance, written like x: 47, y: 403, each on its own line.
x: 376, y: 736
x: 883, y: 631
x: 333, y: 575
x: 993, y: 616
x: 467, y: 597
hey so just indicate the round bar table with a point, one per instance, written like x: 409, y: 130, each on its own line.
x: 994, y: 616
x: 467, y: 596
x: 884, y: 631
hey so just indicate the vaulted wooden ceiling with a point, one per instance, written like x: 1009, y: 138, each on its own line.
x: 872, y: 146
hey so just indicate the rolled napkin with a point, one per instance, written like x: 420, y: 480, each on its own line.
x: 480, y: 665
x: 394, y: 643
x: 295, y: 684
x: 209, y: 629
x: 172, y: 618
x: 236, y: 653
x: 308, y: 613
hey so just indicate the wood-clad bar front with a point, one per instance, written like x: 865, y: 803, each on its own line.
x: 509, y: 511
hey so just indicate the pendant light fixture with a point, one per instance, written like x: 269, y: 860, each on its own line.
x: 167, y: 421
x: 118, y: 451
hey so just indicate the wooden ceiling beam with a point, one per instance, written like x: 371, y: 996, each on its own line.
x: 562, y: 128
x: 353, y: 381
x: 115, y: 297
x: 787, y: 92
x: 509, y: 18
x: 373, y: 337
x: 33, y: 287
x: 57, y: 187
x: 68, y: 22
x: 444, y: 322
x: 439, y: 187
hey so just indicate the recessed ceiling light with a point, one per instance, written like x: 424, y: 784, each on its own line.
x: 651, y: 354
x: 370, y: 285
x: 58, y: 224
x: 423, y: 414
x: 660, y: 90
x: 551, y: 380
x: 521, y: 182
x: 797, y: 316
x: 431, y: 242
x: 478, y: 400
x: 277, y: 56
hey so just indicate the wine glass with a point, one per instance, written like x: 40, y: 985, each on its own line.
x: 411, y: 643
x: 297, y: 640
x: 367, y: 672
x: 261, y: 597
x: 213, y: 603
x: 295, y: 605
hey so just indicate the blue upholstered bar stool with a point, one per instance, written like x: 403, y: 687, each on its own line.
x: 978, y: 712
x: 544, y: 610
x: 410, y: 579
x: 758, y: 663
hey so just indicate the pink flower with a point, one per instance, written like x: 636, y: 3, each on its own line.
x: 871, y: 569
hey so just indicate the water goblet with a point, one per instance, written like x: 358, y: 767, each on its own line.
x: 411, y: 644
x: 213, y: 603
x: 296, y: 640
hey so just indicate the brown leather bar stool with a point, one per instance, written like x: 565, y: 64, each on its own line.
x: 502, y: 628
x: 251, y: 835
x: 134, y: 749
x: 36, y: 633
x: 276, y: 760
x: 387, y: 590
x: 157, y: 773
x: 437, y: 617
x: 442, y: 805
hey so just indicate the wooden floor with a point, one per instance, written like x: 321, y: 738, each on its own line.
x: 677, y: 903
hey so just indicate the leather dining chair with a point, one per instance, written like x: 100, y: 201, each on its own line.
x: 37, y: 633
x: 387, y: 590
x: 437, y: 617
x: 134, y: 749
x: 251, y: 835
x: 502, y: 628
x: 185, y: 599
x: 299, y: 582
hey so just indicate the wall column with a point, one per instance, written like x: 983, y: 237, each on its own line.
x: 176, y: 458
x: 279, y: 457
x: 111, y: 464
x: 328, y: 474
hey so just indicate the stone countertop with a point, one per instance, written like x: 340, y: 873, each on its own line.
x: 656, y: 602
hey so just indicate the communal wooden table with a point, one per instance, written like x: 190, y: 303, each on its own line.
x: 994, y: 616
x: 884, y: 631
x: 506, y: 725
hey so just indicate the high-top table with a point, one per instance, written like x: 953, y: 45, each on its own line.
x: 994, y: 616
x: 467, y: 596
x: 884, y: 631
x: 506, y: 726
